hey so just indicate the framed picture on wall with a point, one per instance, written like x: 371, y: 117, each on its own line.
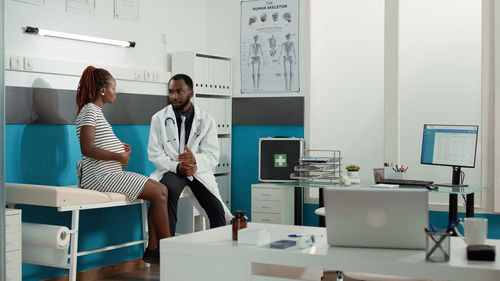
x: 34, y: 2
x: 127, y: 9
x: 269, y: 46
x: 81, y: 7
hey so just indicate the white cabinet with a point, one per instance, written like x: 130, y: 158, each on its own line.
x: 224, y: 183
x: 272, y: 204
x: 13, y: 244
x: 213, y: 93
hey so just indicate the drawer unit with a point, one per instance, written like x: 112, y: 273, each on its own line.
x: 261, y: 206
x: 266, y: 218
x: 272, y: 204
x: 13, y: 274
x: 12, y: 241
x: 261, y: 193
x: 12, y: 224
x: 12, y: 259
x: 13, y: 244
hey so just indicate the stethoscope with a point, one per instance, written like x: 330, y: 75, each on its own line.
x: 196, y: 133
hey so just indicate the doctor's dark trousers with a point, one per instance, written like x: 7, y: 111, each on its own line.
x: 212, y: 206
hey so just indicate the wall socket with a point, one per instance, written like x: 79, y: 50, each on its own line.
x: 16, y: 63
x: 148, y: 75
x: 139, y: 75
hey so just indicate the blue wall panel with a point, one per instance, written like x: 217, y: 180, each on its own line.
x: 245, y: 158
x: 48, y: 154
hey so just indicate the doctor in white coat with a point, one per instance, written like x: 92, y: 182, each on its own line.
x: 183, y: 146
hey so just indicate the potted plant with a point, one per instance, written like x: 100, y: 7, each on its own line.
x: 352, y: 171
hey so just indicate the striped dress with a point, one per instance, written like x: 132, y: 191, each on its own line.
x: 106, y: 175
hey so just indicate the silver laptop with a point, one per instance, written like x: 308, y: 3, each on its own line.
x: 376, y: 217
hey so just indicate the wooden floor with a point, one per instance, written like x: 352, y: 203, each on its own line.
x: 140, y: 274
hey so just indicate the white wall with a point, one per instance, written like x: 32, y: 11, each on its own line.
x: 184, y: 23
x: 439, y: 77
x: 346, y: 108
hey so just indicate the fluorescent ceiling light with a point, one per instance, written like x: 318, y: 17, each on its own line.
x: 51, y: 33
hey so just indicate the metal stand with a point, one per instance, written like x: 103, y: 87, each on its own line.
x: 298, y: 210
x: 321, y: 204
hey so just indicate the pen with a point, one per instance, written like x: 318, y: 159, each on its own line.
x: 451, y: 227
x: 432, y: 227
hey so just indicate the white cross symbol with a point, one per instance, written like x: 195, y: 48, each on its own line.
x: 280, y: 160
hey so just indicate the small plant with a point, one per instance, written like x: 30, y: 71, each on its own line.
x: 352, y: 168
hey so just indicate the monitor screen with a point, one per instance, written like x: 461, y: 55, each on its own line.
x: 449, y: 145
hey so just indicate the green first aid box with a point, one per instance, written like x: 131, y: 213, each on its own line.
x: 278, y: 157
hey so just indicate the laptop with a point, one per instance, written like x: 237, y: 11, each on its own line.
x: 376, y: 217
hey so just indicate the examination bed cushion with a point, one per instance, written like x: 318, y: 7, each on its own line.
x: 57, y: 196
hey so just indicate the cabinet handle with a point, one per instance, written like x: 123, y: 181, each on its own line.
x: 266, y: 194
x: 266, y: 220
x: 265, y: 207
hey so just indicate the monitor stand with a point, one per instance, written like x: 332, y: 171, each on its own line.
x: 455, y: 180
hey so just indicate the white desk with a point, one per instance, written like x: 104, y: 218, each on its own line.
x: 212, y: 255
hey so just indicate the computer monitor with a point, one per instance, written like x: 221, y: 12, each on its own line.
x: 450, y: 145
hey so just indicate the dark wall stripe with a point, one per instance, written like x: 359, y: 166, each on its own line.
x: 52, y: 106
x: 278, y: 111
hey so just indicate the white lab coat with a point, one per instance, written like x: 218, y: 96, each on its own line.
x: 163, y: 149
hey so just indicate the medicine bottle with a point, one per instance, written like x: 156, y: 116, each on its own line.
x: 239, y: 222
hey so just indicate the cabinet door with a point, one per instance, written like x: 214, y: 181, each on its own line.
x: 226, y: 77
x: 218, y: 168
x: 218, y: 112
x: 211, y: 75
x: 229, y: 115
x: 219, y: 76
x: 225, y: 154
x: 201, y: 75
x: 203, y: 103
x: 225, y: 189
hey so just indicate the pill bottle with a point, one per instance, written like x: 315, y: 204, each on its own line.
x: 239, y: 222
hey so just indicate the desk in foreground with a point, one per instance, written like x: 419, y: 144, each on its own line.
x: 212, y: 255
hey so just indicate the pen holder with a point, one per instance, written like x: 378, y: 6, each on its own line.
x: 437, y: 246
x: 389, y: 173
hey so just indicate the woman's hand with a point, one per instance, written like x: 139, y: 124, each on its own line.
x: 127, y: 147
x: 124, y: 159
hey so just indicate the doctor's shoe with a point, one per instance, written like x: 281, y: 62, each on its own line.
x: 151, y: 256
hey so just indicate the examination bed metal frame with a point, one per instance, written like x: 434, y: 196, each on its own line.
x: 75, y: 222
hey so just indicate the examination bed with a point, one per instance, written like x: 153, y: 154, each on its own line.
x: 74, y: 199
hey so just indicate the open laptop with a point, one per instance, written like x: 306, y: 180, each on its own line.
x: 376, y: 217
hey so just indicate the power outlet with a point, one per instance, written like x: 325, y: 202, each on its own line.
x: 16, y: 63
x: 28, y: 64
x: 148, y: 75
x: 139, y: 75
x: 156, y: 76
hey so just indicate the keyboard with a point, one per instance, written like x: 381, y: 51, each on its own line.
x: 405, y: 182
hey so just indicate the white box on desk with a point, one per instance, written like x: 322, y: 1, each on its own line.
x: 253, y: 237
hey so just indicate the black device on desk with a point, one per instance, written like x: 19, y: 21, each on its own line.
x: 405, y: 182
